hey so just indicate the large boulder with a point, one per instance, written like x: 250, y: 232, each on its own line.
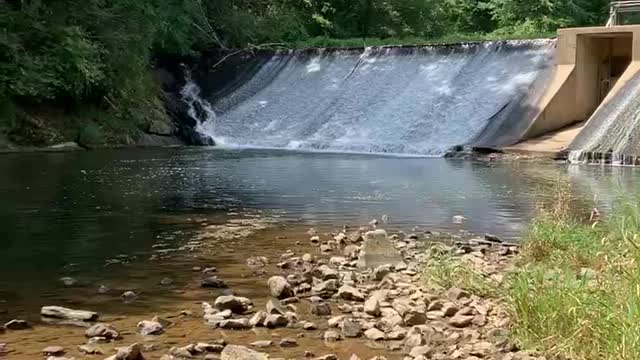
x: 378, y: 250
x: 59, y: 312
x: 236, y: 352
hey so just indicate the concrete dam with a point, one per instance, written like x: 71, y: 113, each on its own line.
x: 574, y: 95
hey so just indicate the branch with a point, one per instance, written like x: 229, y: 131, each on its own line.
x: 251, y: 49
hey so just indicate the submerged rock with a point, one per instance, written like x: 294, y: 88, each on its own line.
x: 59, y: 312
x: 378, y: 250
x: 17, y: 324
x: 129, y: 296
x: 237, y: 352
x: 90, y: 349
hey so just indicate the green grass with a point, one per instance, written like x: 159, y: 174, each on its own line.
x: 575, y: 293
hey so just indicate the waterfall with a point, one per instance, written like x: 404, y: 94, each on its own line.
x: 199, y: 109
x: 400, y: 100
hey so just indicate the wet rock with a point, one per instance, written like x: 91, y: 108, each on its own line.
x: 274, y: 321
x: 236, y: 352
x: 53, y: 350
x: 350, y: 293
x: 258, y: 319
x: 425, y: 351
x: 372, y: 306
x: 319, y: 307
x: 107, y: 331
x: 256, y: 262
x: 288, y: 342
x: 331, y: 336
x: 377, y: 250
x: 279, y: 287
x: 275, y: 307
x: 146, y: 327
x: 234, y: 324
x: 327, y: 357
x: 213, y: 282
x: 17, y: 324
x: 458, y: 219
x: 309, y: 326
x: 381, y: 271
x: 236, y: 304
x: 397, y: 333
x: 324, y: 272
x: 262, y: 344
x: 325, y: 288
x: 59, y: 312
x: 166, y: 281
x: 351, y: 328
x: 461, y: 321
x: 68, y: 281
x: 325, y: 248
x: 128, y: 296
x: 374, y: 334
x: 103, y: 289
x: 90, y: 349
x: 133, y: 352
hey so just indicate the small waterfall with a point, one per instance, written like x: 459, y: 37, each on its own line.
x: 200, y: 110
x: 395, y: 100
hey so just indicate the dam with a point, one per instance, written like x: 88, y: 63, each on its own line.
x: 573, y: 96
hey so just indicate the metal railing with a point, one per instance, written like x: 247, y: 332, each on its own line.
x: 622, y: 7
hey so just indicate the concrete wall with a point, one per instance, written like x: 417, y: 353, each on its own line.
x: 575, y: 91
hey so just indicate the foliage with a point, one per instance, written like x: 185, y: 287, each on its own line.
x: 75, y: 53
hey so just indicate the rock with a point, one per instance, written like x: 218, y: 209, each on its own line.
x: 275, y: 307
x: 381, y: 271
x: 160, y: 127
x: 325, y: 288
x: 457, y: 294
x: 256, y: 262
x: 492, y: 238
x: 325, y: 248
x: 350, y: 293
x: 68, y: 281
x: 53, y: 350
x: 236, y: 304
x: 374, y: 334
x: 354, y: 237
x: 3, y: 348
x: 17, y: 324
x: 461, y: 321
x: 327, y: 357
x: 481, y: 349
x: 205, y: 347
x: 236, y: 352
x: 103, y: 289
x: 390, y: 319
x: 213, y: 282
x: 307, y: 258
x: 146, y: 327
x: 458, y: 219
x: 234, y: 324
x: 184, y: 352
x: 274, y: 321
x: 324, y: 272
x: 288, y: 342
x: 279, y: 287
x: 351, y: 251
x: 377, y: 250
x: 309, y: 326
x: 164, y: 322
x: 262, y: 344
x: 102, y: 330
x: 425, y: 351
x: 372, y: 306
x: 351, y: 328
x: 331, y: 335
x: 397, y: 333
x: 414, y: 317
x: 449, y: 309
x: 166, y: 281
x: 258, y: 319
x: 132, y: 352
x: 90, y: 349
x: 59, y: 312
x: 128, y: 296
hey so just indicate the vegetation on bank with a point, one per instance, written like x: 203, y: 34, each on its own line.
x: 74, y: 69
x: 574, y: 291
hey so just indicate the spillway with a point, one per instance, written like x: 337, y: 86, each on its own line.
x: 398, y: 100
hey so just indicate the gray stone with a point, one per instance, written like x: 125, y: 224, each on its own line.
x: 275, y: 307
x: 378, y: 250
x: 53, y: 350
x: 213, y: 282
x: 425, y: 351
x: 234, y: 324
x: 102, y: 330
x: 381, y: 271
x: 279, y: 287
x: 324, y: 272
x: 262, y: 344
x: 331, y: 335
x: 90, y: 349
x: 17, y: 324
x: 166, y: 281
x: 129, y: 296
x: 236, y: 304
x: 288, y: 342
x: 350, y: 293
x: 351, y: 328
x: 414, y: 317
x: 205, y: 347
x: 325, y: 288
x: 146, y: 327
x: 258, y: 318
x: 372, y: 306
x: 461, y: 321
x: 256, y: 262
x: 374, y: 334
x: 274, y: 321
x: 59, y: 312
x: 236, y: 352
x: 309, y: 326
x: 132, y: 352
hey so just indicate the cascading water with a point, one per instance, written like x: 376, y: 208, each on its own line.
x: 199, y: 109
x: 417, y: 100
x: 612, y: 134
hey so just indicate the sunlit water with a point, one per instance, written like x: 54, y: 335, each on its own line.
x: 105, y: 217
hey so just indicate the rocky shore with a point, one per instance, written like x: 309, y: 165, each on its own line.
x: 362, y: 288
